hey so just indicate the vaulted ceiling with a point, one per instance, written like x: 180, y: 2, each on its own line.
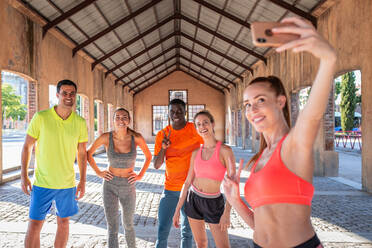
x: 143, y: 41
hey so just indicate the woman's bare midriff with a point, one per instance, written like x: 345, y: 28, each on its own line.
x: 207, y: 185
x: 120, y: 172
x: 282, y: 225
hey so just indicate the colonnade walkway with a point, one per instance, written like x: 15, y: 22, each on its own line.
x: 342, y: 214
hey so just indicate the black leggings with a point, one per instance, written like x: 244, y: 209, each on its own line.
x: 314, y: 242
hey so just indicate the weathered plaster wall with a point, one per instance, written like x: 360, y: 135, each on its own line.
x: 48, y: 60
x: 157, y: 94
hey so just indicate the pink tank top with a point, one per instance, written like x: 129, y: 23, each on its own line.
x: 212, y: 168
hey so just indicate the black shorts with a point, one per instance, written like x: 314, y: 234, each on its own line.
x: 201, y: 208
x: 314, y: 242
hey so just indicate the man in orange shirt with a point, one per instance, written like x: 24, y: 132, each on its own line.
x: 175, y: 144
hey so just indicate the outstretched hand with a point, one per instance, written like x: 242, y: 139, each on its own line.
x: 231, y: 185
x: 166, y: 141
x: 310, y: 40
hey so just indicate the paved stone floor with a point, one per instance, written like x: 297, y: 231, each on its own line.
x: 342, y: 214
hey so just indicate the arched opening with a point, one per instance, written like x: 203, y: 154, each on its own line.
x: 18, y: 107
x: 347, y: 117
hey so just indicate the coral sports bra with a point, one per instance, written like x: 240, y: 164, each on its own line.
x: 275, y: 183
x: 211, y: 168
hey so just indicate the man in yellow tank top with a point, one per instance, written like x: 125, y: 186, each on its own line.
x: 59, y: 134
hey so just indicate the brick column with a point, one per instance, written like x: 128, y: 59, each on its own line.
x: 100, y: 118
x: 31, y: 100
x: 329, y: 123
x: 110, y: 117
x: 239, y: 135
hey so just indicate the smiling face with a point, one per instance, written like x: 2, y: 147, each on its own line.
x: 263, y: 108
x: 204, y: 126
x: 66, y: 96
x: 177, y: 115
x: 121, y: 119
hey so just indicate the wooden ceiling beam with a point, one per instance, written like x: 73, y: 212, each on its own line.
x: 206, y: 69
x: 130, y: 42
x: 66, y: 15
x: 114, y: 26
x: 146, y: 63
x: 147, y: 80
x: 224, y: 13
x: 217, y: 52
x: 222, y: 37
x: 212, y: 62
x: 151, y: 69
x: 296, y: 11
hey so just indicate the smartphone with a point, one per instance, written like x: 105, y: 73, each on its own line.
x: 262, y: 36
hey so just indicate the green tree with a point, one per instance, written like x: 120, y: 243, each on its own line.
x: 337, y: 88
x: 11, y: 104
x: 348, y: 101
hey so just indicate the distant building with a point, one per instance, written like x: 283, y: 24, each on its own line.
x: 18, y: 83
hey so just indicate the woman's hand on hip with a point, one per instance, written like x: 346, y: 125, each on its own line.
x: 133, y: 177
x: 106, y: 174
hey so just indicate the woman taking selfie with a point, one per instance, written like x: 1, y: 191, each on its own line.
x: 279, y: 188
x: 119, y: 178
x: 201, y: 191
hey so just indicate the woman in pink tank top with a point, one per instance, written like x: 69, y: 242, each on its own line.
x: 279, y: 189
x: 200, y: 195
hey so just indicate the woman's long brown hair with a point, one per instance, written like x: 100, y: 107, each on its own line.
x: 277, y: 86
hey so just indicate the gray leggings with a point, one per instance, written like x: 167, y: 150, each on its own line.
x: 118, y: 189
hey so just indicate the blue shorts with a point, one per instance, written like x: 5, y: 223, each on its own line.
x: 42, y: 198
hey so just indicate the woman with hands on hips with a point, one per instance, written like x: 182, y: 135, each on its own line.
x: 201, y: 191
x: 279, y: 188
x: 119, y: 178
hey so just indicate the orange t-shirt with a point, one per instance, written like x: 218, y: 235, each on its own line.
x: 177, y: 156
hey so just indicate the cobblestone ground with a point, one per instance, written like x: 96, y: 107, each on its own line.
x: 342, y: 215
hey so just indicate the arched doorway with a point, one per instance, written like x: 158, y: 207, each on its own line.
x: 18, y: 107
x: 347, y: 118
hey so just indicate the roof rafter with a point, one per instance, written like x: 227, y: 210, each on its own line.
x: 162, y: 77
x: 116, y: 50
x: 220, y: 36
x: 146, y: 80
x: 177, y: 26
x: 217, y: 52
x: 224, y: 13
x: 66, y: 15
x: 114, y: 26
x: 149, y: 61
x: 206, y: 69
x: 211, y: 62
x: 150, y: 70
x: 296, y: 11
x: 138, y: 54
x: 202, y: 80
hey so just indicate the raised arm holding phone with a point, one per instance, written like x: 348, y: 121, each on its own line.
x: 279, y: 188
